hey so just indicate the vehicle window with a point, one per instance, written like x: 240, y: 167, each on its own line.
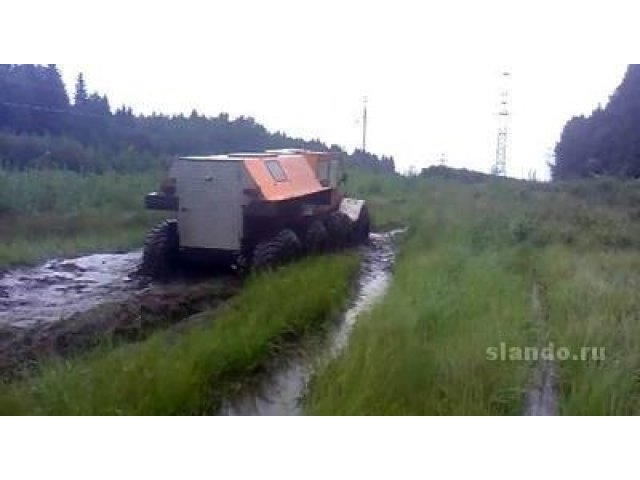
x: 276, y: 170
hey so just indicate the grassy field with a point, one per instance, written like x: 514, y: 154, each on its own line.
x: 191, y: 372
x: 464, y: 283
x: 45, y: 214
x: 484, y: 263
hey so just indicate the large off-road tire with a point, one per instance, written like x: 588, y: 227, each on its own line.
x: 282, y: 248
x: 339, y: 228
x: 161, y: 250
x: 316, y: 237
x: 362, y: 228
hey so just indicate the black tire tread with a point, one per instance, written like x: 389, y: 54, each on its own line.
x: 282, y: 248
x: 161, y: 250
x: 316, y: 237
x: 339, y: 228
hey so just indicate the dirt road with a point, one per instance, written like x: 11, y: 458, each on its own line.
x: 283, y: 389
x: 67, y: 306
x: 42, y: 295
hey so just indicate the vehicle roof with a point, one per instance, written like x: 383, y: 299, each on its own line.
x: 300, y: 179
x: 233, y: 157
x: 230, y: 157
x: 298, y: 167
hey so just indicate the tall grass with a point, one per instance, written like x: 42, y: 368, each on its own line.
x: 464, y: 283
x: 49, y: 213
x: 460, y: 287
x: 594, y: 303
x: 66, y: 192
x: 190, y: 373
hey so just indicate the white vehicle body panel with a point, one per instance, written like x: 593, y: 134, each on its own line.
x: 211, y: 200
x: 352, y: 208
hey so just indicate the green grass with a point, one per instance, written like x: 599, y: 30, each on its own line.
x: 464, y: 283
x: 474, y: 253
x: 594, y: 302
x: 191, y: 372
x: 56, y: 213
x: 460, y: 287
x: 422, y: 351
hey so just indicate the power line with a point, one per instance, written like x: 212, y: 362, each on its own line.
x: 52, y: 110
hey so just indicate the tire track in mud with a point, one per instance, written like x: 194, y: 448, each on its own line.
x: 541, y: 395
x: 281, y: 391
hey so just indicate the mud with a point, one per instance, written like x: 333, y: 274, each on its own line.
x: 65, y: 307
x: 282, y: 390
x: 46, y: 294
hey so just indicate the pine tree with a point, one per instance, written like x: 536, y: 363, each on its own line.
x: 81, y: 96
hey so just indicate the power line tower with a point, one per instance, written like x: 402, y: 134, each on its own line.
x: 365, y: 118
x: 504, y: 114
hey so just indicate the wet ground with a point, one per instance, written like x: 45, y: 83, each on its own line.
x: 69, y: 306
x: 282, y: 390
x: 36, y: 296
x: 64, y: 307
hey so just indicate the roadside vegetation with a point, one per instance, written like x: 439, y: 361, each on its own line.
x: 46, y: 213
x: 464, y: 282
x: 594, y: 303
x: 476, y: 252
x: 191, y: 371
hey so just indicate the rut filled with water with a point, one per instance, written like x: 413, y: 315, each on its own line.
x: 282, y: 391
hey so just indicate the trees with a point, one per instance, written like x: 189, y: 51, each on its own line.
x: 32, y: 99
x: 370, y: 161
x: 608, y: 141
x: 39, y: 121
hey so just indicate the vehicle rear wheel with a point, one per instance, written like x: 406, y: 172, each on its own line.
x: 282, y: 248
x: 316, y: 237
x: 161, y: 249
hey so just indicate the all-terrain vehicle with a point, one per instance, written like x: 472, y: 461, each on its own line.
x: 252, y: 210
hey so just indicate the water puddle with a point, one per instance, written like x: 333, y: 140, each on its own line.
x: 66, y: 307
x: 281, y: 393
x: 42, y: 295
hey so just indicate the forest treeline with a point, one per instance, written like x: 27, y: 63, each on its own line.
x: 606, y: 143
x: 42, y: 127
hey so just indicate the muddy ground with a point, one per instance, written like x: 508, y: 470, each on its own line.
x: 65, y: 307
x: 281, y: 390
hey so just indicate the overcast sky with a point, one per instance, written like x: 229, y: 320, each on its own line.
x: 432, y: 73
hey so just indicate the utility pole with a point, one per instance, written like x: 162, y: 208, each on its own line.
x: 364, y: 124
x: 504, y: 114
